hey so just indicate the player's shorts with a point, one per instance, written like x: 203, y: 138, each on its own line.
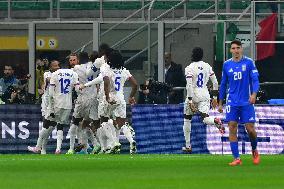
x: 240, y: 114
x: 86, y: 108
x: 62, y: 116
x: 202, y: 107
x: 116, y: 110
x: 44, y: 105
x: 47, y: 113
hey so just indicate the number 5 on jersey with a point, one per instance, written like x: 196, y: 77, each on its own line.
x: 117, y: 83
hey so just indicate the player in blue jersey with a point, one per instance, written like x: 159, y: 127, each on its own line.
x: 240, y: 82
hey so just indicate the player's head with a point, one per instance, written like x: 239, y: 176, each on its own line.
x: 236, y: 49
x: 54, y: 65
x: 94, y: 56
x: 197, y: 54
x: 103, y: 48
x: 73, y: 60
x: 83, y: 57
x: 115, y: 59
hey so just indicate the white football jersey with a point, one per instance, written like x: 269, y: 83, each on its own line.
x: 46, y: 75
x: 101, y: 94
x: 85, y: 77
x: 200, y: 73
x: 117, y: 77
x: 63, y: 82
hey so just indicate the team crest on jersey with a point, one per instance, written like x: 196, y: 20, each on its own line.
x: 244, y: 67
x: 200, y: 68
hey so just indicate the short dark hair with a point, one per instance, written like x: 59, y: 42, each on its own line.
x: 83, y: 57
x: 237, y: 42
x: 103, y: 48
x: 9, y: 65
x: 115, y: 59
x: 197, y: 54
x: 94, y: 56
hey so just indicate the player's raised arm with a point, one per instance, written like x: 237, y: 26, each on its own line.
x: 95, y: 81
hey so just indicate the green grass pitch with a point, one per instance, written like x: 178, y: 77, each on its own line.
x: 139, y: 171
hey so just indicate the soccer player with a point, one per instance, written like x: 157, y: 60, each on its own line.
x: 86, y: 107
x: 114, y: 80
x: 240, y: 76
x: 62, y: 83
x: 48, y: 125
x: 197, y: 75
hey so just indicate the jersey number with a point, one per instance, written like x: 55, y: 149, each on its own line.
x: 199, y: 82
x: 117, y: 83
x: 65, y: 83
x: 237, y: 75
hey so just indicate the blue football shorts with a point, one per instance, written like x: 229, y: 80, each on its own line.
x: 240, y: 114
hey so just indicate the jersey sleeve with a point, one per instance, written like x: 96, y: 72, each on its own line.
x: 213, y: 78
x: 223, y: 85
x: 188, y: 72
x: 76, y: 83
x: 254, y: 77
x: 127, y: 74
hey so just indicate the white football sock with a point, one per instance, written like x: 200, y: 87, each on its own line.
x: 45, y: 138
x: 59, y: 140
x: 209, y: 121
x: 84, y: 140
x: 79, y: 133
x: 72, y: 133
x: 109, y: 132
x: 187, y: 131
x: 40, y: 137
x: 127, y: 133
x: 92, y: 138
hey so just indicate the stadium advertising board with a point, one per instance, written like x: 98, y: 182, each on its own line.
x: 159, y: 129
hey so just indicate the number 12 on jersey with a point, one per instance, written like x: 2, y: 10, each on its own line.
x: 64, y: 83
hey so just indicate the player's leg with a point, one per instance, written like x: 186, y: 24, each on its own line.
x: 94, y: 116
x: 127, y: 130
x: 73, y: 133
x: 97, y: 146
x: 187, y: 127
x: 52, y: 125
x: 62, y: 119
x: 44, y: 133
x: 232, y: 116
x: 248, y: 117
x: 204, y: 107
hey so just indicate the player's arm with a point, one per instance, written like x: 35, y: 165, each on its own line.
x: 133, y: 83
x: 255, y: 83
x: 107, y: 87
x: 52, y: 87
x: 76, y: 83
x: 95, y: 66
x: 189, y: 90
x: 215, y: 88
x: 95, y: 81
x: 223, y: 87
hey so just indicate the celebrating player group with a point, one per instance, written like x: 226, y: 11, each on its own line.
x: 100, y: 109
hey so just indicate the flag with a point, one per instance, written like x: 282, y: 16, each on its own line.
x: 267, y: 33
